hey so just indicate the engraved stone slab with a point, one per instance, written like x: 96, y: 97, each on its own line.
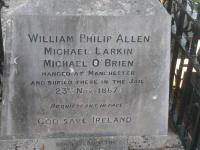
x: 98, y: 143
x: 102, y: 72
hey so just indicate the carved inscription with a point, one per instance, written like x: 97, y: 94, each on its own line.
x: 102, y: 57
x: 86, y: 75
x: 101, y: 64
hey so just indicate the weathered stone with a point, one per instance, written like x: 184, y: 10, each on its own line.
x: 110, y: 59
x: 97, y: 143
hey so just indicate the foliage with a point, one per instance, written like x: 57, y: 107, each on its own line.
x: 196, y: 1
x: 196, y: 4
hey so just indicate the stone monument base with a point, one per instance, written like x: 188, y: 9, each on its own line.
x: 85, y: 143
